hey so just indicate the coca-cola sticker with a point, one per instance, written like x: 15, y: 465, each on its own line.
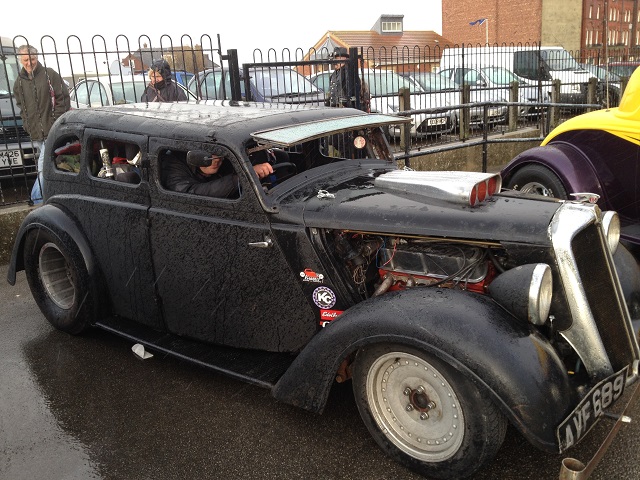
x: 324, y: 297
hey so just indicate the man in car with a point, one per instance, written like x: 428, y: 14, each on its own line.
x: 161, y: 87
x: 212, y: 177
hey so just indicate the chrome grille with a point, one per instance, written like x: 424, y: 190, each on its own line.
x: 600, y: 289
x: 601, y: 331
x: 11, y: 134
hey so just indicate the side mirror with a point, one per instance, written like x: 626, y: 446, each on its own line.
x: 198, y: 158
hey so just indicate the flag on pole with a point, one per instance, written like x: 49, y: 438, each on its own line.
x: 480, y: 21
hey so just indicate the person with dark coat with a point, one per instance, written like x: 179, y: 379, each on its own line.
x: 216, y: 179
x: 161, y: 87
x: 42, y: 97
x: 339, y: 85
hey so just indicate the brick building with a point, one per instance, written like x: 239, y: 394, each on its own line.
x: 573, y: 24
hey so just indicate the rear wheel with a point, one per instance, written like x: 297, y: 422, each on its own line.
x: 58, y: 280
x: 538, y: 180
x: 423, y: 413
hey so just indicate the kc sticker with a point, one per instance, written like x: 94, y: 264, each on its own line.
x: 327, y: 316
x: 309, y: 275
x: 324, y: 297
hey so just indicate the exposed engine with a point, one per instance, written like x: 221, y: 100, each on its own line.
x: 378, y: 264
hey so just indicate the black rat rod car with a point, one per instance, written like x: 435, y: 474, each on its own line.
x: 452, y: 308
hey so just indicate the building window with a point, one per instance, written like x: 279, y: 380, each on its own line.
x: 388, y: 27
x: 590, y: 11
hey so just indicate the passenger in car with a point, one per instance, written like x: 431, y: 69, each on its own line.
x: 212, y: 176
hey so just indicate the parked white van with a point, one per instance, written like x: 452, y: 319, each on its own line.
x: 532, y: 63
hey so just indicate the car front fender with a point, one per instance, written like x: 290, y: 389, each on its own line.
x: 504, y: 355
x: 567, y: 161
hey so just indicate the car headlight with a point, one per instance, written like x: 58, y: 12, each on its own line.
x: 525, y: 291
x: 611, y: 227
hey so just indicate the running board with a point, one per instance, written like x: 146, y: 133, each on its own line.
x: 253, y: 366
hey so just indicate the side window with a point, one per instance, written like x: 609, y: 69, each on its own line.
x: 66, y: 154
x: 525, y: 64
x: 212, y: 86
x: 98, y: 95
x: 207, y: 173
x: 115, y: 160
x: 82, y: 93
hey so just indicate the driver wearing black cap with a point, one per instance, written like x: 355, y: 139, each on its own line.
x: 207, y: 174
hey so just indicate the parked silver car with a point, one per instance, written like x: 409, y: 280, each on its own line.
x: 265, y: 84
x: 498, y: 81
x: 112, y: 90
x: 434, y: 83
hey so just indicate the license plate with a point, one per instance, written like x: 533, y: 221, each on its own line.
x: 436, y: 121
x: 590, y: 409
x: 10, y: 158
x: 494, y: 112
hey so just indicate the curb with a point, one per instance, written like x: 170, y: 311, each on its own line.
x: 10, y: 221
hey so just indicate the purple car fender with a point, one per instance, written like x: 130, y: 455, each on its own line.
x: 566, y: 161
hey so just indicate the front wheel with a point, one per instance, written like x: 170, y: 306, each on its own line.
x: 58, y: 281
x: 425, y: 414
x: 538, y: 180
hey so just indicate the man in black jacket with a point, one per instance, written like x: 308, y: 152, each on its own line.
x: 214, y: 180
x: 161, y: 87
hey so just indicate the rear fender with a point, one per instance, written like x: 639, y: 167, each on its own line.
x: 62, y: 225
x: 570, y: 165
x: 504, y: 355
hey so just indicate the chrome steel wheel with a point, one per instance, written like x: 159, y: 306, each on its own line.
x: 415, y: 406
x: 56, y: 277
x: 536, y: 189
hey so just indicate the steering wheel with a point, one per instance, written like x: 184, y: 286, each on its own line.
x: 270, y: 181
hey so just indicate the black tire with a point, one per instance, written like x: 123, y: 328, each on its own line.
x: 452, y: 438
x: 59, y: 281
x: 537, y: 180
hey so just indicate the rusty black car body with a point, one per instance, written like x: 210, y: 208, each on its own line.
x: 453, y: 308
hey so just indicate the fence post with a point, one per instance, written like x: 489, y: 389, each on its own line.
x: 465, y: 117
x: 592, y: 92
x: 513, y: 109
x: 234, y: 74
x: 555, y: 98
x: 405, y: 128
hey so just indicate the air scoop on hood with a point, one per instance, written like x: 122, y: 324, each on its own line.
x: 468, y: 188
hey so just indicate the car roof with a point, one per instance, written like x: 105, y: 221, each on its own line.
x: 224, y: 119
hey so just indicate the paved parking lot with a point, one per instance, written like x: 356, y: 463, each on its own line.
x: 86, y: 408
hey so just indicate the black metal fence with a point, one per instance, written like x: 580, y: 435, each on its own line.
x: 456, y: 96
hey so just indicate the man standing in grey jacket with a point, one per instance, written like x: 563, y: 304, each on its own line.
x: 42, y: 97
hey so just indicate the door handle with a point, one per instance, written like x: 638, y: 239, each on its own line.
x: 266, y: 244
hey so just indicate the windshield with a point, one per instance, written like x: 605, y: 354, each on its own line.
x: 559, y: 60
x: 385, y: 83
x: 7, y: 80
x: 433, y: 82
x: 271, y: 82
x: 500, y: 76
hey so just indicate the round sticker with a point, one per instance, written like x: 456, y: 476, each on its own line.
x: 324, y: 297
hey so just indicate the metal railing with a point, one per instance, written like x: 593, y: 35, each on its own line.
x: 479, y: 109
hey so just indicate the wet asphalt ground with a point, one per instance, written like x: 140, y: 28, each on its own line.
x: 78, y: 408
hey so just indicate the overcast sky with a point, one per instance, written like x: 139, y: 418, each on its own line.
x: 244, y: 26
